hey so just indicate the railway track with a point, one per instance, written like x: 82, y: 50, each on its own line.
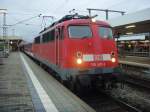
x: 143, y: 83
x: 136, y: 75
x: 103, y: 102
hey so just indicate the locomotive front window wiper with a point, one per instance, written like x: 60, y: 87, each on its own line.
x: 85, y: 37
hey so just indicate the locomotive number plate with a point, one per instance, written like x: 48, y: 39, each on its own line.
x: 89, y: 57
x: 106, y: 57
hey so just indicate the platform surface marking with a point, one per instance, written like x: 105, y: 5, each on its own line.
x: 45, y: 99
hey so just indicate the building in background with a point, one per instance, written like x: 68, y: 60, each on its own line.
x: 13, y: 41
x: 134, y: 30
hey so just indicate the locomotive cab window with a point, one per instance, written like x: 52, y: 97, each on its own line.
x: 105, y: 32
x: 79, y: 32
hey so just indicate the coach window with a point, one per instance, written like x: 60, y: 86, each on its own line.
x: 44, y: 38
x: 50, y: 36
x: 52, y: 33
x: 105, y: 32
x: 79, y: 32
x: 37, y: 40
x: 61, y: 34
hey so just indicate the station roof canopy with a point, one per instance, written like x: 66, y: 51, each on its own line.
x: 23, y: 42
x: 133, y: 23
x: 11, y: 38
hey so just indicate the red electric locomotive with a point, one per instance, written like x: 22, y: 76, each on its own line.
x: 79, y: 49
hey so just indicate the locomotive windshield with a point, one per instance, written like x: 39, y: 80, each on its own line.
x: 105, y: 32
x: 79, y: 31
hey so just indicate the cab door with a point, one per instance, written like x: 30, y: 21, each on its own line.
x: 58, y: 45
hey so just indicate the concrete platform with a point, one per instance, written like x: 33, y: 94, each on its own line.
x: 25, y: 87
x: 14, y: 92
x: 134, y: 60
x: 1, y: 54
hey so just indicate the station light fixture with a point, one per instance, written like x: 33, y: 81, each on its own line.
x: 3, y: 11
x: 130, y: 26
x: 129, y: 33
x: 11, y: 42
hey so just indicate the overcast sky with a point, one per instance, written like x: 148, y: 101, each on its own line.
x: 19, y: 10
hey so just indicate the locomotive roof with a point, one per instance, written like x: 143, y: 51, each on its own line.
x: 77, y: 22
x: 84, y: 21
x: 78, y: 19
x: 75, y: 19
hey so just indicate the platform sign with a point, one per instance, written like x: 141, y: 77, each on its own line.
x: 132, y: 37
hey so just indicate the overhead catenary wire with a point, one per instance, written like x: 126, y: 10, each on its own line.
x: 22, y: 21
x: 18, y: 13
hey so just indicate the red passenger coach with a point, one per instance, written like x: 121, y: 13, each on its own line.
x: 79, y: 49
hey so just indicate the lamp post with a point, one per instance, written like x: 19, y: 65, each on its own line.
x: 5, y: 26
x: 4, y: 11
x: 149, y: 47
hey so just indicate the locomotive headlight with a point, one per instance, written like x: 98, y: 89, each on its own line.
x: 93, y: 20
x: 113, y: 60
x: 79, y: 61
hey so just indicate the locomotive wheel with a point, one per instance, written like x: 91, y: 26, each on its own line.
x: 71, y: 83
x: 108, y: 86
x: 64, y: 82
x: 78, y: 87
x: 71, y: 86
